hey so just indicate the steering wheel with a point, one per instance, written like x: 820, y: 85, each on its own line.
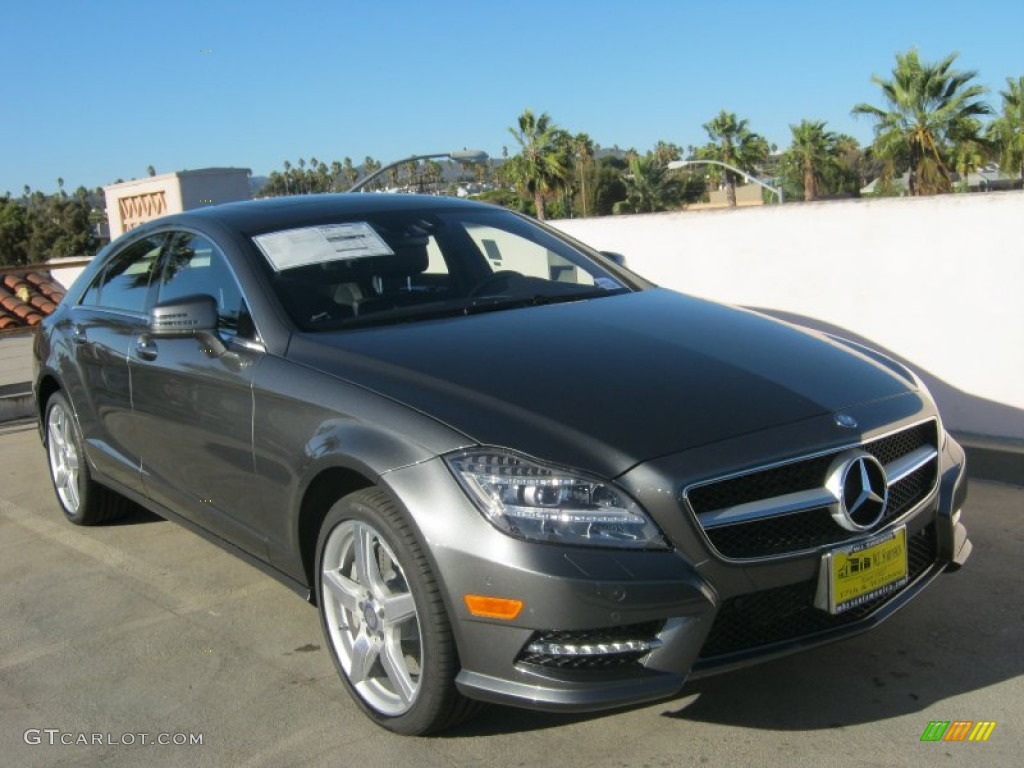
x: 481, y: 288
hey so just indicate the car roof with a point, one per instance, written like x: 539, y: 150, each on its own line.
x: 270, y: 214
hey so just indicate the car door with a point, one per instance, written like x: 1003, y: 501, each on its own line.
x: 193, y: 401
x: 100, y: 331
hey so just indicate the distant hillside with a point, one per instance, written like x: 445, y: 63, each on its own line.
x: 451, y: 173
x: 256, y: 183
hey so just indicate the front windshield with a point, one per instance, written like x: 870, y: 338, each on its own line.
x: 399, y: 266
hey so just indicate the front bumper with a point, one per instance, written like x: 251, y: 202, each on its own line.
x: 581, y: 602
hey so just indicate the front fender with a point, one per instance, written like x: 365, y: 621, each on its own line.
x: 307, y: 425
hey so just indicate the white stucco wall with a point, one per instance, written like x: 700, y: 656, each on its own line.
x: 937, y: 282
x: 66, y: 276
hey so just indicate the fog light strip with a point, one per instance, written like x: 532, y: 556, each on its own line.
x: 594, y: 649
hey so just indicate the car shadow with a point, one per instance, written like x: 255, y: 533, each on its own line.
x: 496, y: 720
x: 136, y: 515
x: 956, y: 637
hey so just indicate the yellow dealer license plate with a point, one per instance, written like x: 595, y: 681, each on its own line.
x: 853, y: 575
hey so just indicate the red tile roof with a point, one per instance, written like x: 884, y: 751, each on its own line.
x: 26, y: 298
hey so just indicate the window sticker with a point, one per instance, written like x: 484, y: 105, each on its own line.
x: 319, y: 245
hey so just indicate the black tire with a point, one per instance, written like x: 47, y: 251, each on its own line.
x: 399, y: 668
x: 82, y: 499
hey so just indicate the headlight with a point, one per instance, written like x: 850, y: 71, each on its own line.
x: 544, y: 503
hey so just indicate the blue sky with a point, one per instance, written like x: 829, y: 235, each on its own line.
x: 95, y: 91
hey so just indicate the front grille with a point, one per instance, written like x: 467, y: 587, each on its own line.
x: 778, y: 535
x: 785, y: 613
x: 646, y: 631
x: 887, y: 449
x: 808, y: 529
x: 910, y: 490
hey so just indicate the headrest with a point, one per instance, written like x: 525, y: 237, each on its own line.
x: 409, y: 242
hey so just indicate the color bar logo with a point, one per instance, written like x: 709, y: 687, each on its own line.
x: 958, y: 730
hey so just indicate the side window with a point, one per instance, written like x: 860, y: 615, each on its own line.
x: 510, y: 251
x: 195, y: 265
x: 435, y: 259
x: 124, y: 282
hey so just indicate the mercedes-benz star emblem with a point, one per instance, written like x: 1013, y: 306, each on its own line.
x: 857, y: 481
x: 845, y: 420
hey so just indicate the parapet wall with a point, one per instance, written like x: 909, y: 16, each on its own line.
x: 936, y: 282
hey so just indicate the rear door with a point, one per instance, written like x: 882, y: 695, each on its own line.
x: 101, y: 330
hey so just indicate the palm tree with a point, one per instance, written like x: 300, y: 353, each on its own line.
x: 336, y: 175
x: 852, y: 167
x: 665, y: 152
x: 566, y: 189
x: 349, y: 171
x: 481, y: 172
x: 649, y: 186
x: 811, y: 154
x: 433, y: 172
x: 411, y: 171
x: 287, y: 176
x: 968, y: 149
x: 371, y: 166
x: 924, y: 104
x: 323, y: 177
x: 583, y: 149
x: 733, y: 143
x: 313, y: 175
x: 541, y: 166
x: 1007, y: 130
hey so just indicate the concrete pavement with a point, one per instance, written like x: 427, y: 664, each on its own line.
x: 15, y: 376
x: 142, y: 627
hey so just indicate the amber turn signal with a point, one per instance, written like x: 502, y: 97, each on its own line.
x: 493, y: 607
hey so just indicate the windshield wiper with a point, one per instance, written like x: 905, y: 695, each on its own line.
x: 490, y: 304
x: 472, y: 307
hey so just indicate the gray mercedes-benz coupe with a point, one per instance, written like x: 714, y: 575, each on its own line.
x: 506, y: 468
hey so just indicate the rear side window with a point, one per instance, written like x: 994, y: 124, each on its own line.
x: 123, y: 284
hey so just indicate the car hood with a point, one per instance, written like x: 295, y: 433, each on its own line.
x: 604, y: 384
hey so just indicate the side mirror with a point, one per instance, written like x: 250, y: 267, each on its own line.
x: 194, y: 316
x: 618, y: 258
x: 187, y: 316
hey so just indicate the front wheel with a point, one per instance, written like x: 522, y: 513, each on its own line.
x: 384, y: 618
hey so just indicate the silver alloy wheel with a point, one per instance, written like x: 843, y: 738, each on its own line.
x: 63, y: 455
x: 371, y: 617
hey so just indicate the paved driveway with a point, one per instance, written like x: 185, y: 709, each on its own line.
x: 143, y: 628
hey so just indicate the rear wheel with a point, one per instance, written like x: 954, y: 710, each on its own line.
x: 384, y: 618
x: 84, y: 501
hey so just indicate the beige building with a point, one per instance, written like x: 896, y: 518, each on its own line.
x: 746, y: 195
x: 131, y: 203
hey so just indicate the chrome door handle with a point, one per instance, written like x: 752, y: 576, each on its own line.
x: 78, y: 335
x: 145, y: 348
